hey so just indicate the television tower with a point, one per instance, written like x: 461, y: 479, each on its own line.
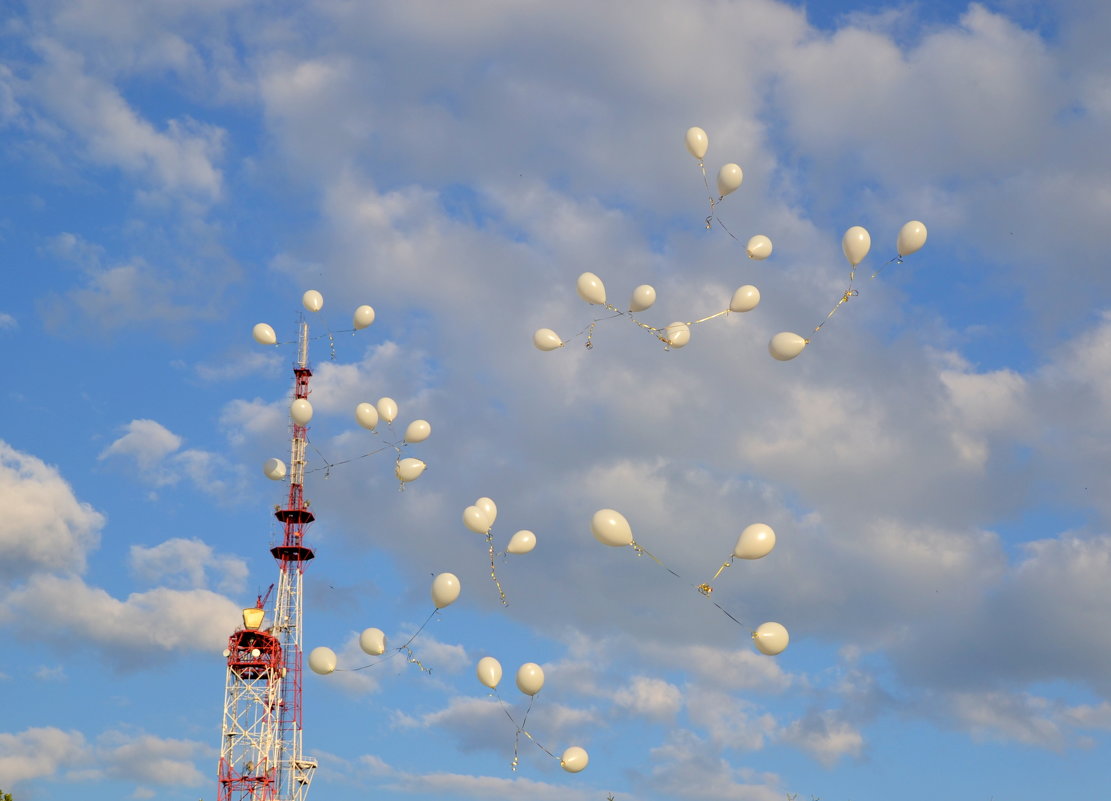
x: 260, y: 750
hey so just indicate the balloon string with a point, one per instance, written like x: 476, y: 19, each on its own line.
x: 327, y: 468
x: 713, y: 217
x: 520, y: 729
x: 703, y: 589
x: 896, y: 260
x: 493, y: 570
x: 706, y: 589
x: 851, y: 292
x: 658, y: 333
x: 401, y: 649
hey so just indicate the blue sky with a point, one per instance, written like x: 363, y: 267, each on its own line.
x: 933, y: 463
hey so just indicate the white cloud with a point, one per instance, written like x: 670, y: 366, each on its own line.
x: 8, y: 322
x: 40, y: 752
x: 825, y: 735
x: 684, y: 767
x: 649, y: 697
x: 188, y: 564
x: 149, y: 443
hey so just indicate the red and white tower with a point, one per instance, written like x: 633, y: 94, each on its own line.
x: 260, y: 751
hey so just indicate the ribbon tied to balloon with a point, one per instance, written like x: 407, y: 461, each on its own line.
x: 479, y: 518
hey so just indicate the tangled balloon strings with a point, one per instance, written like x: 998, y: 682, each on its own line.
x: 404, y: 649
x: 479, y: 518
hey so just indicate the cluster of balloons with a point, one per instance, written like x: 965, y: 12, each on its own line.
x: 530, y: 680
x: 756, y: 541
x: 445, y: 591
x: 368, y: 416
x: 479, y: 518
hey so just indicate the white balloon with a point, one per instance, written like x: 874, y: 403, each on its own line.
x: 387, y: 409
x: 489, y: 508
x: 729, y: 178
x: 697, y: 142
x: 912, y: 236
x: 373, y: 641
x: 364, y: 316
x: 591, y: 289
x: 786, y: 346
x: 322, y: 660
x: 274, y: 469
x: 770, y: 638
x: 574, y: 759
x: 300, y: 411
x: 746, y: 298
x: 475, y: 519
x: 611, y: 528
x: 445, y: 589
x: 489, y: 672
x: 530, y: 678
x: 264, y: 334
x: 546, y: 339
x: 409, y: 469
x: 677, y: 334
x: 418, y: 431
x: 521, y: 542
x: 759, y: 247
x: 643, y: 298
x: 856, y: 243
x: 366, y: 415
x: 755, y: 542
x: 312, y: 300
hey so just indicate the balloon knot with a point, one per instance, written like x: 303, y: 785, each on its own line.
x: 705, y: 589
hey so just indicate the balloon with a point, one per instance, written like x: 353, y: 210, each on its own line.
x: 475, y: 519
x: 756, y: 541
x: 366, y: 415
x: 856, y: 243
x: 387, y: 409
x: 746, y: 298
x: 759, y: 247
x: 489, y: 672
x: 786, y: 346
x: 274, y: 469
x: 373, y: 641
x: 770, y: 638
x: 322, y: 660
x: 611, y: 528
x: 546, y: 339
x: 574, y: 759
x: 591, y: 289
x: 697, y: 142
x: 530, y: 678
x: 364, y: 316
x: 418, y: 431
x: 489, y: 508
x: 729, y: 178
x: 264, y: 334
x: 643, y: 298
x: 312, y: 300
x: 677, y: 334
x: 445, y: 589
x: 912, y: 236
x: 409, y: 469
x: 521, y: 542
x: 300, y: 411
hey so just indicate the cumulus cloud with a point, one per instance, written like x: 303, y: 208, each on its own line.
x: 187, y: 564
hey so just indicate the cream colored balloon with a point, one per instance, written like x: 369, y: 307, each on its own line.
x: 387, y: 409
x: 755, y: 542
x: 475, y: 519
x: 300, y: 411
x: 574, y: 759
x: 489, y: 672
x: 770, y: 638
x: 610, y: 527
x: 759, y: 247
x: 409, y: 469
x: 912, y: 236
x: 521, y: 542
x: 418, y: 431
x: 591, y: 289
x: 677, y: 334
x: 856, y: 243
x: 373, y: 641
x: 643, y: 298
x: 312, y: 300
x: 264, y: 334
x: 530, y: 678
x: 274, y: 469
x: 364, y: 316
x: 546, y: 339
x: 786, y: 346
x: 322, y: 660
x: 697, y: 142
x: 445, y: 589
x: 489, y: 508
x: 366, y: 415
x: 729, y: 179
x: 746, y: 298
